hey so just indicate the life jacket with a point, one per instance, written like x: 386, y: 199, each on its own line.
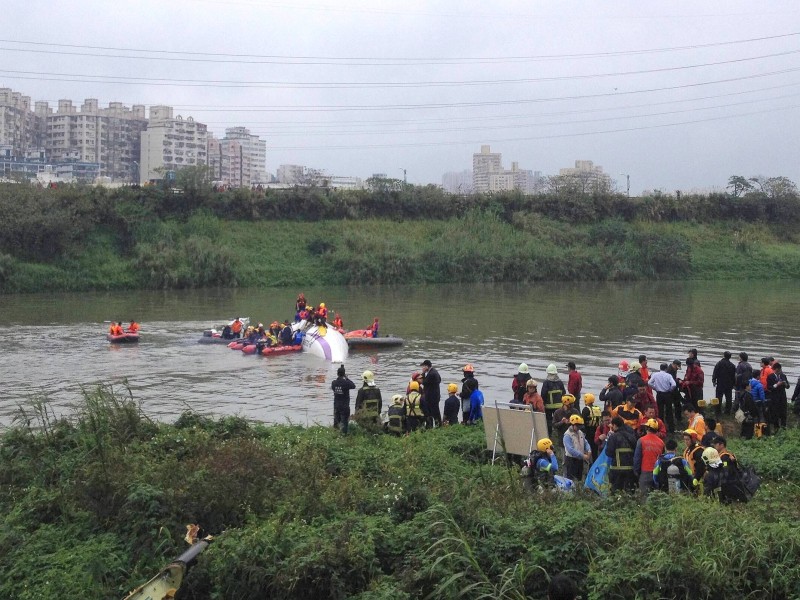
x: 595, y: 416
x: 397, y: 418
x: 337, y: 322
x: 553, y: 400
x: 413, y: 405
x: 631, y: 417
x: 133, y: 327
x: 236, y: 327
x: 322, y: 313
x: 692, y: 456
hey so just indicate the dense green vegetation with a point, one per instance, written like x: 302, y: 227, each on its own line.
x: 95, y: 504
x: 78, y: 238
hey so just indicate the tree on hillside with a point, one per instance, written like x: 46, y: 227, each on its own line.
x: 780, y: 187
x: 739, y: 185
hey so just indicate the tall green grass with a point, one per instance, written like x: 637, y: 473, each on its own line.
x: 95, y: 502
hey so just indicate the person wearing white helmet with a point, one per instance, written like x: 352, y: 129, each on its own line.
x: 518, y: 383
x: 368, y: 399
x: 552, y: 391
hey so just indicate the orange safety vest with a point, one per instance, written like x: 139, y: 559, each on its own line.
x: 236, y: 327
x: 133, y: 327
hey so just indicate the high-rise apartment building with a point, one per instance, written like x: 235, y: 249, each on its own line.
x: 587, y: 175
x: 484, y: 164
x: 239, y: 159
x: 108, y: 136
x: 19, y: 128
x: 457, y: 182
x: 171, y: 143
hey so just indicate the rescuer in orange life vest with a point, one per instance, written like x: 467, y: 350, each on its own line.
x: 133, y: 327
x: 321, y: 316
x: 236, y: 327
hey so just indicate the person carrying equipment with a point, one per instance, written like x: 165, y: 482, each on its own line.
x: 672, y: 472
x: 552, y: 391
x: 368, y: 399
x: 540, y: 467
x: 414, y: 415
x: 397, y: 415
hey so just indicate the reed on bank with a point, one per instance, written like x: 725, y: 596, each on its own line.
x: 94, y: 503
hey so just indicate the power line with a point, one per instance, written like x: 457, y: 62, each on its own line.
x: 534, y: 138
x: 516, y: 125
x: 165, y: 81
x: 276, y: 58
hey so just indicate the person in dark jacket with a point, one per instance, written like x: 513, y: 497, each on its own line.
x: 368, y: 399
x: 777, y: 384
x: 796, y: 398
x: 341, y: 399
x: 464, y: 394
x: 432, y: 395
x: 452, y: 406
x: 620, y: 448
x: 724, y: 380
x: 611, y: 395
x: 519, y: 382
x: 744, y: 372
x: 677, y: 399
x: 552, y: 391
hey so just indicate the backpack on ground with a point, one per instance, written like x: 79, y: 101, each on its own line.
x: 741, y: 484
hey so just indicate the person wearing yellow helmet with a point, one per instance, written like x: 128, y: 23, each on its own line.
x: 397, y: 415
x: 592, y: 417
x: 539, y: 469
x: 414, y: 415
x: 645, y: 457
x: 561, y: 417
x: 368, y: 400
x: 576, y: 448
x: 452, y: 406
x: 464, y: 394
x: 321, y: 315
x: 693, y: 453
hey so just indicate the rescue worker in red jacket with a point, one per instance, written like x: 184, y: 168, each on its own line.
x: 645, y: 457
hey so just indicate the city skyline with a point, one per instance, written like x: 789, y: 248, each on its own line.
x: 675, y: 97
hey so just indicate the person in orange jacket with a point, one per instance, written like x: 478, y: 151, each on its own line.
x: 133, y: 327
x: 236, y: 327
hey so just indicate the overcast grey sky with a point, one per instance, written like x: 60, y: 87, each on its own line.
x: 358, y: 87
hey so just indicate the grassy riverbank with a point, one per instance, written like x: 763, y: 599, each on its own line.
x: 87, y: 239
x: 96, y: 504
x: 207, y: 252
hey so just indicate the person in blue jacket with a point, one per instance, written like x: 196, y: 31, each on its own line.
x: 760, y: 401
x: 475, y: 402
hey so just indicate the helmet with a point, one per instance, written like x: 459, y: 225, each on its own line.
x: 397, y: 398
x: 531, y: 383
x: 322, y: 305
x: 452, y: 388
x: 413, y: 386
x: 701, y: 404
x: 710, y: 456
x: 544, y: 444
x: 714, y: 402
x: 652, y: 424
x: 588, y: 398
x: 623, y: 365
x: 368, y: 376
x: 523, y: 368
x: 691, y: 433
x: 567, y: 399
x: 468, y: 368
x: 415, y: 375
x: 551, y: 369
x: 576, y: 420
x: 635, y: 366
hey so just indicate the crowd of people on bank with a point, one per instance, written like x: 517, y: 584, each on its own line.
x: 630, y: 423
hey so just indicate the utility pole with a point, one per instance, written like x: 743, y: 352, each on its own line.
x: 628, y: 178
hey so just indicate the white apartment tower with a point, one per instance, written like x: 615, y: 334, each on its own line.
x: 483, y: 165
x: 239, y: 159
x: 19, y: 127
x: 107, y: 136
x: 171, y: 143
